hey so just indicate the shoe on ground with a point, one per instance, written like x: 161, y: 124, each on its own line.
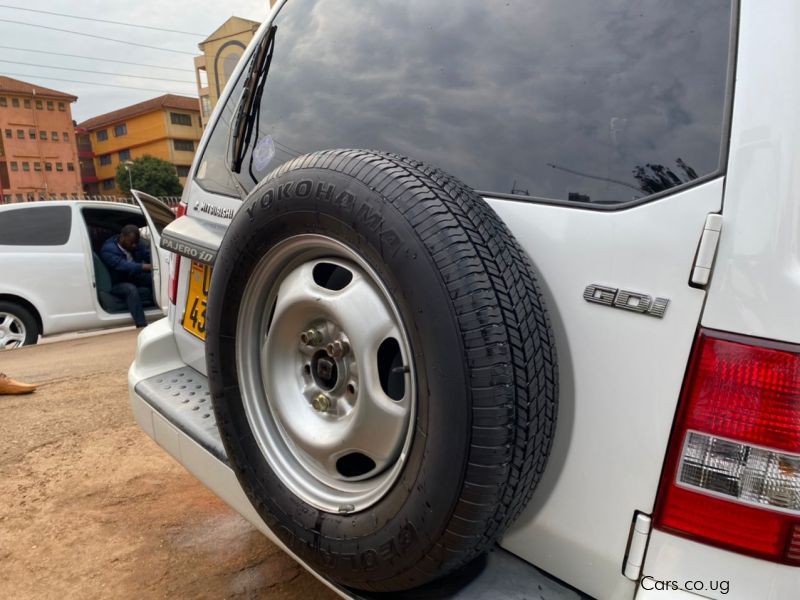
x: 9, y: 386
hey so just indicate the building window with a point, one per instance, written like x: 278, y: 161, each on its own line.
x: 3, y: 101
x: 183, y: 145
x: 39, y: 105
x: 180, y: 119
x: 43, y: 135
x: 37, y: 166
x: 70, y: 167
x: 124, y: 155
x: 54, y: 136
x: 205, y: 105
x: 102, y: 135
x: 105, y: 159
x: 15, y: 102
x: 48, y: 166
x: 62, y: 107
x: 20, y: 198
x: 108, y: 184
x: 27, y: 102
x: 9, y: 133
x: 20, y: 134
x: 66, y: 136
x: 14, y: 165
x: 32, y: 134
x: 59, y: 167
x: 50, y: 105
x: 26, y: 166
x: 183, y: 170
x: 120, y: 130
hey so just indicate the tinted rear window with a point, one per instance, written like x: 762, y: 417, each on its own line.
x: 579, y: 100
x: 36, y: 226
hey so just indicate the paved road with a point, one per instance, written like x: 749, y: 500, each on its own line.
x: 92, y: 508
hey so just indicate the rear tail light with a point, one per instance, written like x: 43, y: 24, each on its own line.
x: 732, y: 476
x: 176, y: 263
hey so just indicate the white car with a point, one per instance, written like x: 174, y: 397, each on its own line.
x: 582, y: 379
x: 53, y: 280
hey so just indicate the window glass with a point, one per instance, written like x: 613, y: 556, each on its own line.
x: 54, y: 136
x: 184, y: 145
x: 575, y: 100
x: 14, y: 165
x: 105, y: 159
x: 124, y: 155
x: 120, y: 130
x: 180, y: 119
x: 66, y: 136
x: 3, y: 101
x: 43, y: 135
x: 108, y: 184
x: 15, y: 102
x: 62, y: 106
x: 102, y: 135
x: 9, y: 133
x: 39, y: 226
x: 26, y: 102
x: 183, y: 170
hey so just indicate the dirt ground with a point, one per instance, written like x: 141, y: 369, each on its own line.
x: 90, y: 507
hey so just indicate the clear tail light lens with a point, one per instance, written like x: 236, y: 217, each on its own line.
x: 732, y: 476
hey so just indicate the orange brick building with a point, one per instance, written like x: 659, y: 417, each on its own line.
x: 167, y: 127
x: 38, y: 155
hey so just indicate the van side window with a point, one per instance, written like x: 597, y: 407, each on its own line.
x: 36, y: 226
x: 583, y: 102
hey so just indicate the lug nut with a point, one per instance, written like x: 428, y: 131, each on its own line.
x: 337, y: 349
x: 321, y: 403
x: 311, y: 337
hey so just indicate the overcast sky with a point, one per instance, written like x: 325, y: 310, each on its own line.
x: 198, y: 16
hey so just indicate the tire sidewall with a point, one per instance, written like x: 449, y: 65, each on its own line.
x: 399, y: 527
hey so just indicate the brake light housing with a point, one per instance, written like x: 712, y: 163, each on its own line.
x: 732, y: 474
x: 175, y: 268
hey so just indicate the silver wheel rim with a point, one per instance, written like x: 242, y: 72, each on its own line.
x: 326, y: 375
x: 12, y: 331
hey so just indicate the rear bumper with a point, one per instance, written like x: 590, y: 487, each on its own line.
x: 171, y: 403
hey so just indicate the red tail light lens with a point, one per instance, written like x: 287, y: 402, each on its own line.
x: 176, y: 263
x: 732, y: 476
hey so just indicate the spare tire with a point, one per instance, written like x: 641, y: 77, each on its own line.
x: 382, y: 367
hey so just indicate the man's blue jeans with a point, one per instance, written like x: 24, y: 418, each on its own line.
x: 133, y: 297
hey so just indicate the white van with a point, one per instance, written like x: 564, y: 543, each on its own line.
x: 52, y: 279
x: 538, y: 338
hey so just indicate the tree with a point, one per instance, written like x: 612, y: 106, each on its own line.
x: 151, y: 175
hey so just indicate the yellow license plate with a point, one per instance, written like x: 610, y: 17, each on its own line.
x: 194, y: 317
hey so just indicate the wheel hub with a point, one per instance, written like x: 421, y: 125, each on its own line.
x: 325, y: 371
x: 12, y: 331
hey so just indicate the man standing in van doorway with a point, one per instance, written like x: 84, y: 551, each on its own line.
x: 128, y: 261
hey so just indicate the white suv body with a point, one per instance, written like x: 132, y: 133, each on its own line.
x: 621, y: 371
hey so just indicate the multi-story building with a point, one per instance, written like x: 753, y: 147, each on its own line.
x: 167, y: 127
x: 221, y: 52
x: 38, y: 156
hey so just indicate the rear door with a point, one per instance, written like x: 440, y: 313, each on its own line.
x: 598, y: 132
x: 158, y: 216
